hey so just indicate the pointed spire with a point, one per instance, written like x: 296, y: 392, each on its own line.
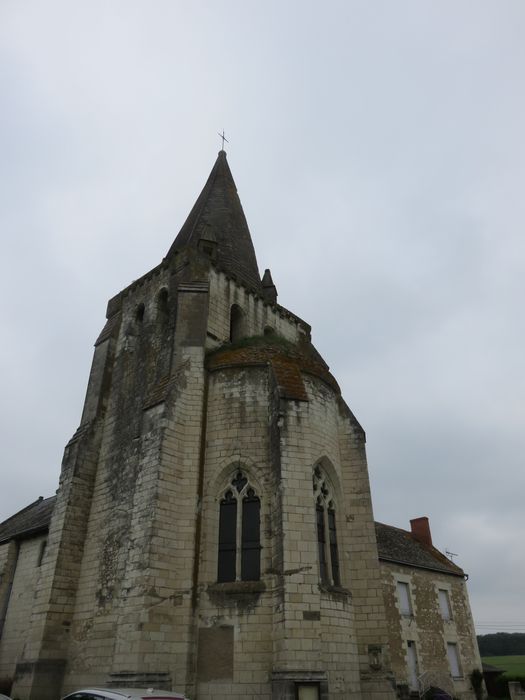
x: 269, y: 288
x: 217, y: 215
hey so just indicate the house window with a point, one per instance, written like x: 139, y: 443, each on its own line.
x: 403, y: 594
x: 326, y: 530
x: 444, y: 604
x: 239, y: 533
x: 453, y: 660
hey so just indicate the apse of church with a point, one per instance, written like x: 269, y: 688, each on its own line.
x: 213, y: 529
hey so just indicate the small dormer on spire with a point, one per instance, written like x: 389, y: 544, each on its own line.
x: 208, y: 242
x: 269, y: 288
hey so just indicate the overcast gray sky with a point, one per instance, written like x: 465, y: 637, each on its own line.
x: 379, y: 153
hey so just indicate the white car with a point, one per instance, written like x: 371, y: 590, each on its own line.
x: 124, y: 694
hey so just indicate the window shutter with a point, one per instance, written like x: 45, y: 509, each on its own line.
x: 453, y: 659
x: 404, y: 598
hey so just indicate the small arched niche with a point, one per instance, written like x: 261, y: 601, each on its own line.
x: 237, y: 330
x: 139, y: 313
x: 162, y: 303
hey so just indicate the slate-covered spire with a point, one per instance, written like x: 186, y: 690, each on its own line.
x: 269, y: 288
x: 217, y: 214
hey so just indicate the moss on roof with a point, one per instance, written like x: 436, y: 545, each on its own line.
x: 288, y: 361
x: 400, y: 546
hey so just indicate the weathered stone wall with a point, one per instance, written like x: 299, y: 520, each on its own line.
x: 321, y: 432
x: 8, y: 557
x: 289, y: 623
x: 144, y: 582
x: 426, y: 627
x: 114, y: 569
x: 371, y: 627
x: 316, y: 631
x: 288, y: 626
x: 259, y: 315
x: 20, y: 568
x: 237, y: 617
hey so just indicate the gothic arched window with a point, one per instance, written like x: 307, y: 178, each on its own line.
x: 239, y: 533
x: 326, y: 530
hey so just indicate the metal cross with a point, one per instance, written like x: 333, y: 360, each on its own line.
x: 223, y: 137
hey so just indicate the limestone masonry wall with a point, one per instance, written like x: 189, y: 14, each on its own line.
x: 259, y: 315
x: 26, y: 557
x: 426, y: 627
x: 236, y: 440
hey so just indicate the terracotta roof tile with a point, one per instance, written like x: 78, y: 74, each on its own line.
x: 288, y: 377
x: 287, y: 360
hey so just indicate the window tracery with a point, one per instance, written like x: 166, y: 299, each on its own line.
x: 326, y: 529
x: 239, y: 532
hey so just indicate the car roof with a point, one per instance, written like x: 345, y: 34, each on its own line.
x: 119, y: 693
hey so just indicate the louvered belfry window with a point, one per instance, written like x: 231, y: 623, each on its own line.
x: 328, y: 553
x: 239, y: 533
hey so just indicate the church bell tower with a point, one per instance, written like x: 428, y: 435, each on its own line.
x: 213, y: 530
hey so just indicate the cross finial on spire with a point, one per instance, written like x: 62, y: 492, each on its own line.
x: 223, y: 137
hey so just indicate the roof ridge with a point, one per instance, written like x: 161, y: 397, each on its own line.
x: 429, y: 550
x: 23, y: 510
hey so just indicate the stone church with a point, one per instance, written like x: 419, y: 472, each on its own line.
x: 213, y: 529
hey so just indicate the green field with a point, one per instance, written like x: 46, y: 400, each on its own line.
x: 512, y: 665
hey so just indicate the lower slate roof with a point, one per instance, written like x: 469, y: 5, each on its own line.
x: 29, y: 521
x: 393, y: 544
x: 401, y: 547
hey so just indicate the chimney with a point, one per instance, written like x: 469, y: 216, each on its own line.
x: 420, y: 528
